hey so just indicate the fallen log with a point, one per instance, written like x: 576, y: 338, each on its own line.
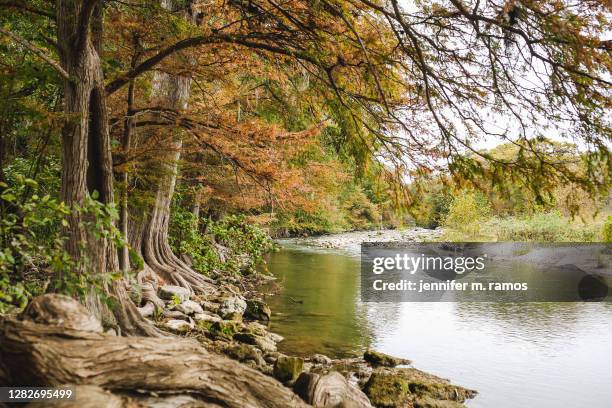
x: 37, y: 349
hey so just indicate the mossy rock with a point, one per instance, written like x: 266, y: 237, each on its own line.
x: 399, y: 387
x: 244, y: 352
x: 264, y: 343
x: 287, y: 369
x: 428, y: 402
x: 225, y: 328
x: 257, y: 310
x: 385, y: 389
x: 377, y: 359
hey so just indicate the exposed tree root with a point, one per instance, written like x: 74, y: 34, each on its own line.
x: 40, y: 354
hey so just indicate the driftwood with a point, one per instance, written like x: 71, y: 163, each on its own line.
x: 331, y: 390
x: 36, y: 353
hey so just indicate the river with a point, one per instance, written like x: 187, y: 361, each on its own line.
x: 532, y: 355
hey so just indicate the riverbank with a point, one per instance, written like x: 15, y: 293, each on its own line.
x: 230, y: 324
x: 351, y: 241
x: 235, y: 322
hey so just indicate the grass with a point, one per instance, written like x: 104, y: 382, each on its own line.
x: 539, y: 227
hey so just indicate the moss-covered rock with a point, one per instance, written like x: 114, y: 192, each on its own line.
x: 385, y: 389
x: 244, y: 353
x: 257, y: 310
x: 287, y: 369
x: 400, y: 387
x: 264, y: 343
x: 428, y: 402
x: 377, y: 359
x: 225, y: 328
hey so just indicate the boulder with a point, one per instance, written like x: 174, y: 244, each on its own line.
x: 189, y: 307
x: 171, y: 292
x: 257, y: 310
x: 377, y: 359
x: 287, y: 369
x: 232, y: 308
x: 387, y: 390
x: 399, y: 387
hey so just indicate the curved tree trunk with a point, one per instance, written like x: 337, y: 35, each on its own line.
x: 87, y: 157
x: 151, y: 238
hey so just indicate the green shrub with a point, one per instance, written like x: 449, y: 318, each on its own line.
x: 32, y: 254
x: 245, y: 244
x: 467, y: 212
x: 543, y: 227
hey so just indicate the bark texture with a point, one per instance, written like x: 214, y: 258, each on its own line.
x: 150, y: 234
x: 39, y: 354
x: 86, y: 151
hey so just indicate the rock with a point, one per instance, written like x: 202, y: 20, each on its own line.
x: 206, y: 317
x: 257, y: 328
x: 257, y: 310
x: 410, y: 387
x: 244, y: 352
x: 329, y: 390
x: 271, y: 356
x: 377, y: 359
x: 434, y: 403
x: 178, y: 325
x: 277, y: 338
x: 287, y: 369
x: 264, y: 343
x: 232, y: 308
x: 210, y: 306
x: 170, y: 292
x: 387, y: 390
x: 225, y: 328
x: 189, y: 307
x: 320, y: 359
x: 175, y: 314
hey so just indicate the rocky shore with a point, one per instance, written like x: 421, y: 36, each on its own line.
x: 56, y: 341
x: 351, y: 241
x: 234, y: 322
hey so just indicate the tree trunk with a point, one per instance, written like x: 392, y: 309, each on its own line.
x: 151, y: 238
x: 87, y: 157
x: 39, y: 350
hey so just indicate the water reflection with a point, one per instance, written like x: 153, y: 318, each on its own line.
x: 318, y: 309
x: 528, y: 354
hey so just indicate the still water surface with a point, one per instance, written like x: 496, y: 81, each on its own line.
x: 531, y: 355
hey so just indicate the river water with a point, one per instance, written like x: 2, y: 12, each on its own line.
x: 531, y: 355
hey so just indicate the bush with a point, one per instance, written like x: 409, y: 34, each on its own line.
x: 32, y: 253
x: 246, y: 244
x: 360, y: 212
x: 467, y: 212
x: 543, y: 227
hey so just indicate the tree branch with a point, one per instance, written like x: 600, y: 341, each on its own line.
x: 150, y: 63
x: 85, y: 16
x: 39, y: 52
x: 23, y: 6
